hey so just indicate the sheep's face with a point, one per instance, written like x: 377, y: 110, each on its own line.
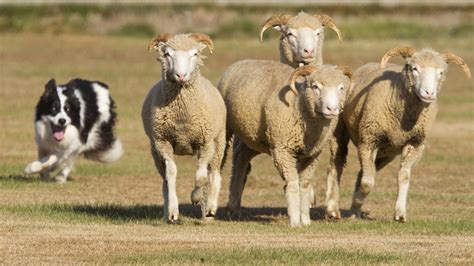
x: 325, y: 92
x: 426, y: 71
x: 180, y: 55
x: 181, y: 64
x: 302, y: 34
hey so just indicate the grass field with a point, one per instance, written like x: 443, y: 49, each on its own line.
x: 112, y: 213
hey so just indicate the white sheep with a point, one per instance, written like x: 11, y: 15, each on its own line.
x: 389, y: 113
x: 292, y: 127
x: 302, y: 36
x: 184, y: 114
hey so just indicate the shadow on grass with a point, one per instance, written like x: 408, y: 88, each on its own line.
x: 20, y: 179
x: 155, y: 212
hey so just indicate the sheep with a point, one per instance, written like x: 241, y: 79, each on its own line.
x: 389, y: 113
x: 184, y: 114
x: 302, y: 37
x: 292, y: 127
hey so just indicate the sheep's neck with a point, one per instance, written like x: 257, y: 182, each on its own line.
x: 316, y: 124
x: 286, y: 54
x: 406, y: 106
x: 173, y: 89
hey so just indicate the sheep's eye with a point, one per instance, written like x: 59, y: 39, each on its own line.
x: 167, y: 54
x: 441, y: 72
x: 290, y: 34
x: 414, y: 68
x: 195, y: 54
x: 341, y: 88
x: 317, y: 34
x: 315, y: 87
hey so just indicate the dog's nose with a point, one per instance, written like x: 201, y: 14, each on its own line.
x: 62, y: 121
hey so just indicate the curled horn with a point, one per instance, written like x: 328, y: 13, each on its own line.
x: 201, y: 37
x: 157, y: 39
x: 281, y: 19
x: 302, y: 71
x: 346, y: 71
x: 401, y: 50
x: 328, y: 21
x: 454, y: 59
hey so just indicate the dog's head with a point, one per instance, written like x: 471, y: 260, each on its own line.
x: 59, y: 108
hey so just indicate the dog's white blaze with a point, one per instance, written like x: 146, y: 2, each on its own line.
x: 103, y: 101
x: 62, y: 113
x: 83, y: 106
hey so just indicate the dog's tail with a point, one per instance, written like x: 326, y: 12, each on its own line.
x: 108, y: 156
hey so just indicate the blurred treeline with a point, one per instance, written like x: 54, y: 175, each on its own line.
x: 356, y: 22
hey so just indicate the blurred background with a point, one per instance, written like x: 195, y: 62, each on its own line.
x: 107, y: 41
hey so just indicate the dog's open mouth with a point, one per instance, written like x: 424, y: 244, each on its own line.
x: 58, y: 132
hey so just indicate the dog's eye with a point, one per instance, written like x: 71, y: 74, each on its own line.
x: 54, y: 109
x: 67, y: 108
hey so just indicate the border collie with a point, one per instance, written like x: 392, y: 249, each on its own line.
x: 73, y: 119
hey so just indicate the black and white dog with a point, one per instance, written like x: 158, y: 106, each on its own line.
x: 72, y: 119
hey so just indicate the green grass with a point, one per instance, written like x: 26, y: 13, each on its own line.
x: 93, y: 213
x: 267, y: 256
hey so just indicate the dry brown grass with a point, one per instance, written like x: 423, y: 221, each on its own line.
x: 111, y: 213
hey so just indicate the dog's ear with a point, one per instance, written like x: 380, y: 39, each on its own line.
x: 50, y: 87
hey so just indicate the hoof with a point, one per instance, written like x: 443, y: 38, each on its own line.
x: 359, y: 214
x: 333, y: 215
x: 400, y: 219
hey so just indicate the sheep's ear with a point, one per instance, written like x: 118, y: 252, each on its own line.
x: 154, y: 44
x: 300, y: 72
x: 457, y: 60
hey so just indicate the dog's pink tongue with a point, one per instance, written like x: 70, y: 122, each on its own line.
x: 59, y: 135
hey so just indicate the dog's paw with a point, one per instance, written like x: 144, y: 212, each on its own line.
x: 34, y: 167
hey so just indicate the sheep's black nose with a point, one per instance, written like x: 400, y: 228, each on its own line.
x: 62, y: 121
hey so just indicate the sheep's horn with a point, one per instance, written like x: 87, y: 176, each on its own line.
x: 452, y: 58
x: 347, y: 72
x: 400, y: 50
x: 276, y: 20
x: 201, y: 37
x: 328, y: 21
x: 301, y: 71
x: 157, y: 39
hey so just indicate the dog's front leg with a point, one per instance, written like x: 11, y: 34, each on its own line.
x: 42, y: 164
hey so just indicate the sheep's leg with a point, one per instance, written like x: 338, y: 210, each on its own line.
x: 410, y: 155
x: 338, y: 148
x: 286, y: 166
x: 215, y: 176
x: 163, y: 156
x: 240, y: 171
x: 365, y: 178
x: 306, y: 170
x: 199, y: 193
